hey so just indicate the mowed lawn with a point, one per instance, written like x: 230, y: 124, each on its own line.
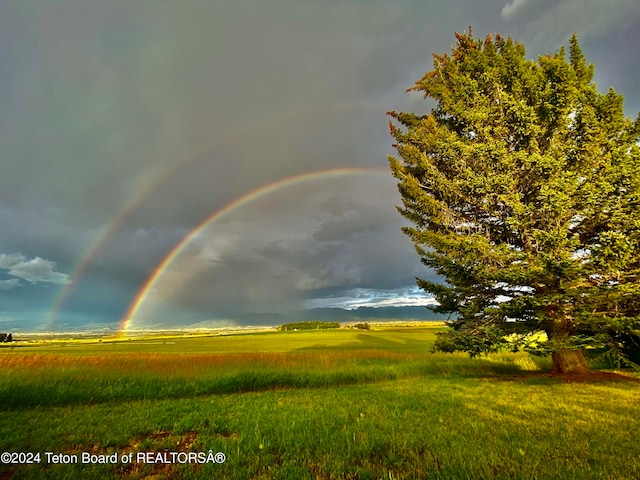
x: 308, y: 405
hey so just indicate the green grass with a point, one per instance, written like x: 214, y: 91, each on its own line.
x: 404, y: 339
x: 314, y: 405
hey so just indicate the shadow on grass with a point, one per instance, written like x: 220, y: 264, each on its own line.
x: 366, y: 341
x: 54, y: 393
x: 546, y: 378
x: 99, y: 386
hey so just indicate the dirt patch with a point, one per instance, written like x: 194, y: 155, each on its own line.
x: 148, y: 441
x: 158, y: 472
x: 7, y: 475
x: 227, y: 435
x: 156, y: 442
x: 162, y: 439
x: 159, y: 441
x: 591, y: 377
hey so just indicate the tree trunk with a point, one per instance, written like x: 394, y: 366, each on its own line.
x: 567, y: 360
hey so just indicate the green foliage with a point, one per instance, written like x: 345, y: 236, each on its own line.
x: 362, y: 326
x: 309, y: 326
x: 523, y: 187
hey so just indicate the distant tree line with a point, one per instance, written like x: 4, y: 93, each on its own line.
x: 362, y: 326
x: 308, y: 326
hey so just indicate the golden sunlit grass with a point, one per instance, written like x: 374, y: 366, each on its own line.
x: 175, y: 364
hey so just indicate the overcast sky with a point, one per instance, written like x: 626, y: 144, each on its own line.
x: 125, y: 124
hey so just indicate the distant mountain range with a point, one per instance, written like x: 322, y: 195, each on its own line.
x: 360, y: 314
x: 247, y: 320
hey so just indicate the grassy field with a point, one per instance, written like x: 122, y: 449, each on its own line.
x: 307, y: 405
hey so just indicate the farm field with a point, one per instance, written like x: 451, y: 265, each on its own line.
x: 338, y: 404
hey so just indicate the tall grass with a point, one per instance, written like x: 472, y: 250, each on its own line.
x: 49, y: 380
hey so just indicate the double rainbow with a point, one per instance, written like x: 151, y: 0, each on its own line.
x: 148, y: 286
x: 103, y: 239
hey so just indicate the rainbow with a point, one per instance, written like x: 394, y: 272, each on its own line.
x: 126, y: 321
x: 103, y: 238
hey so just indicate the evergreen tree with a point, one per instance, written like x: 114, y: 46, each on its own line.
x: 523, y: 186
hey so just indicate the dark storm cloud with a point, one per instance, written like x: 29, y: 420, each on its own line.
x: 298, y: 241
x: 139, y: 120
